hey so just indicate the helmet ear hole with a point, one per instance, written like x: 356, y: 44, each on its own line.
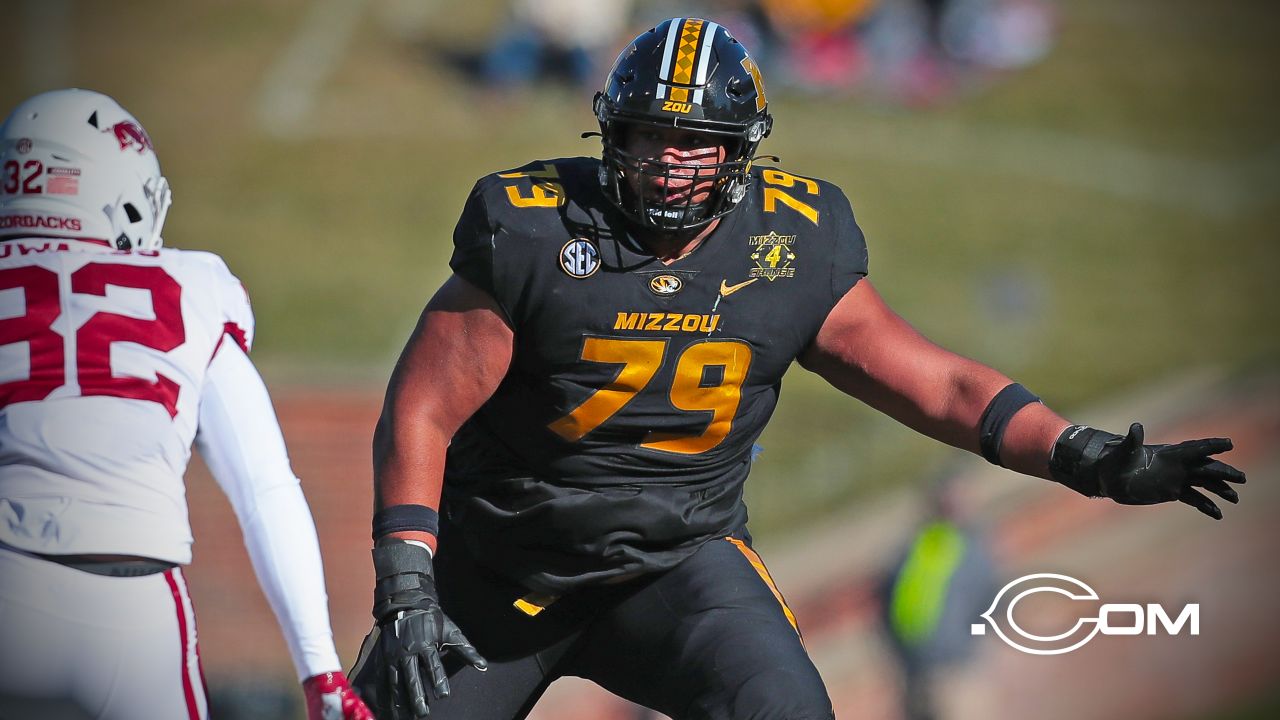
x: 132, y: 213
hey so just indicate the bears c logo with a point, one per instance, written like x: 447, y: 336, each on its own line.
x: 579, y: 258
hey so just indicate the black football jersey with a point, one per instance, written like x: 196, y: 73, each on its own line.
x: 620, y: 437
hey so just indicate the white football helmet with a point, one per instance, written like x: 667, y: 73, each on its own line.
x: 73, y: 163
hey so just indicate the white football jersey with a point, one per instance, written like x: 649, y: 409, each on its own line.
x: 103, y: 356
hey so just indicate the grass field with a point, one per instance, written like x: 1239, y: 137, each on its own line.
x: 1105, y: 217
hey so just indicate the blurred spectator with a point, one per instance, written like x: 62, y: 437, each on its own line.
x: 913, y: 52
x: 998, y: 34
x: 910, y: 52
x: 932, y: 595
x: 818, y: 40
x: 560, y: 39
x: 926, y: 51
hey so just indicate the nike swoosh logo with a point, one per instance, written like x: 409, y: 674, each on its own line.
x: 726, y: 290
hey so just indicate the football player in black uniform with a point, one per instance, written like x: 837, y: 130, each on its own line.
x: 580, y: 400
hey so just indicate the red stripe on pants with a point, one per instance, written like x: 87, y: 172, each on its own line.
x: 193, y: 711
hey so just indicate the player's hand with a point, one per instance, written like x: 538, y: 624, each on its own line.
x: 1130, y: 472
x: 414, y: 630
x: 330, y: 697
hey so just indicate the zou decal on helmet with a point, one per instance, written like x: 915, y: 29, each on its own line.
x: 690, y: 74
x: 73, y: 163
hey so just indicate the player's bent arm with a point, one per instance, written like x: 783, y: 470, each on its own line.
x: 240, y: 440
x: 452, y: 364
x: 868, y: 351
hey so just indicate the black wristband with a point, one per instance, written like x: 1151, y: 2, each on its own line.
x: 1075, y: 456
x: 996, y: 418
x: 400, y: 518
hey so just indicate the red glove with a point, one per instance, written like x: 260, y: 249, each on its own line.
x: 330, y: 697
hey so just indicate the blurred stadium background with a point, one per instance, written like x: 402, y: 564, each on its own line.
x: 1100, y: 224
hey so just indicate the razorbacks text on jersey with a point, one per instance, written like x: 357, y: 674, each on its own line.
x: 621, y: 436
x: 102, y: 357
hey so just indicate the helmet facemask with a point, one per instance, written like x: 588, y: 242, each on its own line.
x: 717, y: 186
x: 140, y: 219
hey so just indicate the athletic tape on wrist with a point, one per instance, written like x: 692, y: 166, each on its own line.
x: 402, y: 518
x: 393, y: 558
x: 1074, y: 459
x: 995, y: 419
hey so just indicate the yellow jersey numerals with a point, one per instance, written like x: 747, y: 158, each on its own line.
x: 544, y: 192
x: 773, y: 196
x: 690, y: 391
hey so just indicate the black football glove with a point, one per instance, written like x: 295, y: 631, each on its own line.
x: 413, y: 631
x: 1097, y: 463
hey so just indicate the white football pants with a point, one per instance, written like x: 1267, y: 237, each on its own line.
x: 74, y: 645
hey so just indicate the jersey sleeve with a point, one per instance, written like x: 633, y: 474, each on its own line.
x: 473, y: 241
x: 233, y: 300
x: 849, y: 247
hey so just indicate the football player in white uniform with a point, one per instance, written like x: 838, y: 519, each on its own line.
x: 115, y: 355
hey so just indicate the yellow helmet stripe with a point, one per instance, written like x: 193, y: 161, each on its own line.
x: 686, y: 57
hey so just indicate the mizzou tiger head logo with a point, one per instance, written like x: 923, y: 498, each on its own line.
x: 665, y: 285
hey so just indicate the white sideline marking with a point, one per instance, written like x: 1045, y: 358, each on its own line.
x: 289, y: 89
x: 1218, y: 189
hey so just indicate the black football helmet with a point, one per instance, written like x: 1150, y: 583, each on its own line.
x: 691, y: 74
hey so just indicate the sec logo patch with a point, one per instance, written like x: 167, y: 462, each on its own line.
x: 579, y: 258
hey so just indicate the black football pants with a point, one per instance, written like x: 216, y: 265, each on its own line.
x: 710, y: 639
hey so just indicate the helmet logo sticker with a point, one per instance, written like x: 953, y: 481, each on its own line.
x: 129, y: 134
x: 665, y: 285
x: 23, y: 146
x: 63, y: 181
x: 579, y: 258
x: 750, y: 66
x: 772, y: 255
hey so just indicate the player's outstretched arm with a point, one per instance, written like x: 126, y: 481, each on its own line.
x: 241, y: 442
x: 451, y: 365
x: 869, y: 352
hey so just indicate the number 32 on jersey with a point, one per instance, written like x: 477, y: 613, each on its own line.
x: 90, y: 367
